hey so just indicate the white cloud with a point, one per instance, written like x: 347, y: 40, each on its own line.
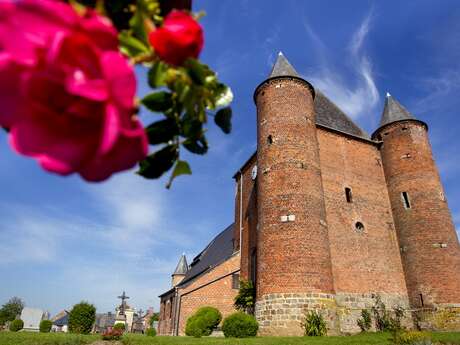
x: 356, y: 98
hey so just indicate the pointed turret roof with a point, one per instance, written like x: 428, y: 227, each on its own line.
x: 182, y: 266
x: 282, y: 68
x: 328, y: 114
x: 394, y: 111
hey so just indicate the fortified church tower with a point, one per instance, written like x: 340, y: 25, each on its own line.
x: 327, y: 218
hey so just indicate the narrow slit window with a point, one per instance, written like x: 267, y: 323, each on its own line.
x: 270, y: 140
x: 421, y: 300
x: 235, y: 281
x: 406, y: 201
x: 348, y: 194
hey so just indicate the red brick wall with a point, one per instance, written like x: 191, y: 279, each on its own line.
x: 367, y: 261
x: 293, y: 256
x: 431, y: 270
x: 249, y: 217
x: 212, y: 289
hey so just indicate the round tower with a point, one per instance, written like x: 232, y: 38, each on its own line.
x: 293, y: 255
x: 428, y: 242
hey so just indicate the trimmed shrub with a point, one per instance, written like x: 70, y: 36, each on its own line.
x: 365, y: 322
x: 203, y: 322
x: 119, y: 326
x: 81, y: 318
x: 314, y: 325
x: 45, y: 326
x: 240, y: 325
x: 411, y: 338
x: 151, y: 332
x: 16, y: 325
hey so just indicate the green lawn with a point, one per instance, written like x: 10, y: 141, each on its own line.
x: 27, y: 338
x: 361, y: 339
x: 22, y: 338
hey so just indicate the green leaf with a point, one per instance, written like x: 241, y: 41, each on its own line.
x: 197, y: 71
x: 191, y: 128
x: 158, y: 163
x: 223, y: 119
x: 130, y: 45
x: 137, y: 23
x: 199, y: 146
x: 162, y: 131
x: 158, y: 101
x: 181, y: 168
x: 157, y: 74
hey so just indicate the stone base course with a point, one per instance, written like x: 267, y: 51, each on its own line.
x: 283, y: 314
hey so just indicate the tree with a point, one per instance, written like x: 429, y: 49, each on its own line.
x: 11, y: 309
x: 82, y: 317
x: 45, y: 326
x: 153, y: 318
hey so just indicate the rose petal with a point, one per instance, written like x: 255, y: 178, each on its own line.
x: 120, y: 78
x: 53, y: 139
x: 9, y: 89
x: 111, y: 129
x: 130, y: 148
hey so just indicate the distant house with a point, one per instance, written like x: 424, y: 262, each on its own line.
x: 61, y: 322
x: 32, y: 318
x: 103, y: 322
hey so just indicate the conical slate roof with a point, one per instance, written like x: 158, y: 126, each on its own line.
x: 328, y: 114
x: 394, y: 111
x: 182, y: 266
x: 282, y: 68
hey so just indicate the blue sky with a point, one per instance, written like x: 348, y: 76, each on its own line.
x: 63, y: 240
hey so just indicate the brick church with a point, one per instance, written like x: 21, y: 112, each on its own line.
x: 327, y: 218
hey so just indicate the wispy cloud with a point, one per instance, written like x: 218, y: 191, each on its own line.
x: 356, y: 97
x: 440, y: 91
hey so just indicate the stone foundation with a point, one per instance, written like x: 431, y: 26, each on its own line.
x: 283, y: 314
x: 440, y: 318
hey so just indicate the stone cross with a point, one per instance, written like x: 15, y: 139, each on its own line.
x: 123, y: 298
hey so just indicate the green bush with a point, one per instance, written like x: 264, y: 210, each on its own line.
x: 240, y: 325
x: 411, y: 338
x: 119, y: 326
x: 81, y: 318
x: 16, y: 325
x: 365, y: 322
x: 151, y: 332
x: 246, y: 297
x: 203, y: 322
x: 45, y: 326
x: 314, y: 325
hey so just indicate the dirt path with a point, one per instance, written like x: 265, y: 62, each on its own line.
x: 101, y: 342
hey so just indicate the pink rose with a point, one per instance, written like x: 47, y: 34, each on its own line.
x: 66, y: 93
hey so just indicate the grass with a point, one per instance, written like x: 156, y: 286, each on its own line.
x: 28, y: 338
x: 23, y: 338
x: 360, y: 339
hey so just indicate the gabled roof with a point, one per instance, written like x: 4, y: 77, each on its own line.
x: 328, y: 114
x: 182, y: 266
x: 217, y: 251
x: 62, y: 321
x: 394, y: 111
